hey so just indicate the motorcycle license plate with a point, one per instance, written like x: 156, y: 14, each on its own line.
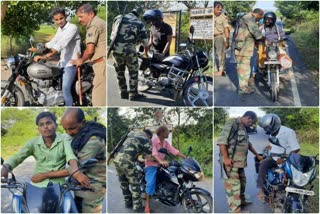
x: 300, y: 191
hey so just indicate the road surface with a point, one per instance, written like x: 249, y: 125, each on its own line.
x: 259, y: 141
x: 116, y: 202
x: 23, y: 173
x: 301, y: 89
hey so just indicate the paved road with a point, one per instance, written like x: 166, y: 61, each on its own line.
x: 259, y: 141
x: 153, y: 97
x: 300, y: 90
x: 23, y: 173
x: 116, y: 202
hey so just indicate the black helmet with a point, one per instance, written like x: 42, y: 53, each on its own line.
x: 270, y: 15
x: 153, y: 15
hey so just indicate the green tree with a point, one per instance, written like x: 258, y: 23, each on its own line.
x: 234, y: 7
x: 220, y: 117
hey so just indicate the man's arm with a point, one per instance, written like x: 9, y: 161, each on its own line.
x: 224, y: 152
x: 227, y: 35
x: 167, y: 47
x: 259, y: 157
x: 88, y: 53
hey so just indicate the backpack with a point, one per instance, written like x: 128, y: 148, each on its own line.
x: 116, y: 27
x: 89, y: 129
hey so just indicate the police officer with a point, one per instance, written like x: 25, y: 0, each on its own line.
x: 137, y: 143
x: 95, y: 51
x: 131, y: 32
x: 221, y: 37
x: 248, y: 32
x: 88, y: 141
x: 234, y: 145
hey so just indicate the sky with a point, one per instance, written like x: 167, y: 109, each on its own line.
x: 266, y: 5
x: 239, y: 111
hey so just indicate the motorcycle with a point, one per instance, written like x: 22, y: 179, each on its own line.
x: 42, y: 82
x: 175, y: 185
x: 182, y: 72
x: 288, y: 186
x: 54, y: 198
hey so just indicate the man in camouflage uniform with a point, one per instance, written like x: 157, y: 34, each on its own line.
x: 137, y: 143
x: 221, y: 38
x: 234, y: 145
x: 95, y: 51
x: 88, y: 141
x: 248, y: 32
x: 131, y: 32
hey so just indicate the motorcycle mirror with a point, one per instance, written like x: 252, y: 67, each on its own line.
x: 274, y: 141
x: 189, y: 150
x: 31, y: 40
x: 163, y: 151
x: 191, y: 30
x: 88, y: 163
x: 183, y: 45
x: 2, y: 160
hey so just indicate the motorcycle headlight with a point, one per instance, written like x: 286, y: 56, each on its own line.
x: 11, y: 63
x: 273, y: 55
x: 197, y: 175
x: 299, y: 178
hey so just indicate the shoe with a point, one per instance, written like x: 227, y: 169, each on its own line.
x: 136, y: 96
x: 246, y: 91
x: 219, y: 73
x: 128, y: 205
x: 245, y: 203
x: 139, y: 210
x: 124, y: 95
x: 147, y: 210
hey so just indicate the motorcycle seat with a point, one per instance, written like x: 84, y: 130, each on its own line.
x: 43, y: 199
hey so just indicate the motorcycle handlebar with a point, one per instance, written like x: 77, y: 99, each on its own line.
x: 278, y: 155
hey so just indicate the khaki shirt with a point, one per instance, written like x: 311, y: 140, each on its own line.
x: 47, y: 159
x: 220, y: 23
x: 241, y: 152
x: 96, y: 34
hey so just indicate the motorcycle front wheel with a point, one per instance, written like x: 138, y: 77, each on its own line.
x: 274, y: 87
x: 198, y: 202
x: 143, y: 83
x: 14, y: 99
x: 197, y: 93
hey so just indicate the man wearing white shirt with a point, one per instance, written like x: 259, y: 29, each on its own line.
x: 271, y: 123
x: 66, y: 42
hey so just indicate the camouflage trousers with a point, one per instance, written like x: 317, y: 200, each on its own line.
x: 235, y: 187
x: 127, y: 176
x: 91, y: 202
x: 243, y: 70
x: 130, y: 61
x: 220, y: 52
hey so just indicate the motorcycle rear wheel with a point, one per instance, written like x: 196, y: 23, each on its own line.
x: 15, y: 99
x: 199, y: 203
x: 196, y: 93
x: 143, y: 84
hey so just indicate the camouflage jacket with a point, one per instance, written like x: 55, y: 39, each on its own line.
x: 229, y: 138
x: 132, y: 31
x: 248, y: 32
x: 136, y: 144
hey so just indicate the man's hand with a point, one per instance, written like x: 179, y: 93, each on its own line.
x: 39, y: 177
x: 259, y: 157
x: 280, y: 161
x: 37, y: 58
x: 164, y: 163
x: 227, y: 161
x: 77, y: 62
x: 82, y: 179
x: 227, y: 44
x: 268, y: 147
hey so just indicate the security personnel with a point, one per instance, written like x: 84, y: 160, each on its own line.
x: 234, y: 145
x: 131, y: 32
x: 95, y: 51
x: 248, y: 32
x: 221, y: 37
x: 137, y: 143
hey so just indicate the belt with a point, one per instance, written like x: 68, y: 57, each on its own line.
x: 217, y: 34
x: 98, y: 60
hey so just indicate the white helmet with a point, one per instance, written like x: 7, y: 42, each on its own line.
x: 270, y: 123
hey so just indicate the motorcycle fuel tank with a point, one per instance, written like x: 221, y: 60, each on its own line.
x: 43, y: 71
x: 177, y: 60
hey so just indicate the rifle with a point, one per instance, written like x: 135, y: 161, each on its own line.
x: 234, y: 35
x: 111, y: 46
x: 118, y: 146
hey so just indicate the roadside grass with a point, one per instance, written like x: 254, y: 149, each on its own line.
x: 313, y: 201
x: 306, y: 38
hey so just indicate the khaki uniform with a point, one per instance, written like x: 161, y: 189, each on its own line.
x: 220, y: 23
x: 91, y: 202
x: 96, y: 34
x: 236, y: 183
x: 248, y: 32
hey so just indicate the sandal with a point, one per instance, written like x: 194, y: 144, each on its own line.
x: 147, y: 210
x: 261, y: 196
x: 246, y: 90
